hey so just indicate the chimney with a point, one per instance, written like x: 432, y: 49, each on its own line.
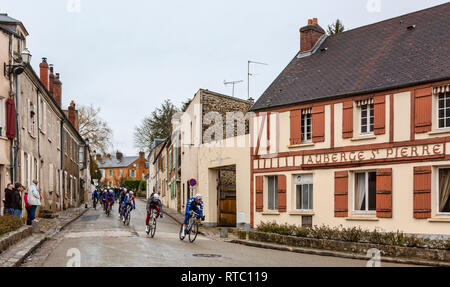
x: 44, y: 72
x: 98, y: 156
x: 141, y: 154
x: 119, y: 155
x: 73, y: 114
x: 310, y: 35
x: 51, y: 80
x: 57, y: 90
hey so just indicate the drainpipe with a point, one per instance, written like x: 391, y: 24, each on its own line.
x: 61, y: 183
x: 15, y: 148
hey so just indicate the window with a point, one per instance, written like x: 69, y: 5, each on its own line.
x: 81, y: 155
x: 132, y: 173
x: 2, y: 118
x: 304, y: 192
x: 444, y: 190
x: 306, y: 126
x: 32, y: 120
x: 444, y: 110
x: 143, y: 175
x: 121, y: 172
x: 366, y: 118
x: 365, y: 191
x: 110, y: 173
x: 272, y: 192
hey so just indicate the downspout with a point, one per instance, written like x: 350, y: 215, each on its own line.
x: 61, y: 183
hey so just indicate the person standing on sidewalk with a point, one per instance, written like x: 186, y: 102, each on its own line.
x: 27, y: 207
x: 16, y: 200
x: 7, y: 201
x: 34, y: 199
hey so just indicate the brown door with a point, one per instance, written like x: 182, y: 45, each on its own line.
x: 227, y: 196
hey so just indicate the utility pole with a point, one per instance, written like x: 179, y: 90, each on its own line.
x: 232, y: 83
x: 249, y: 74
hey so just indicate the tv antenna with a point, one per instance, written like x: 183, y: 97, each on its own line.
x: 232, y: 83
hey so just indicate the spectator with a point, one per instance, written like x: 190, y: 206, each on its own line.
x: 7, y: 201
x: 27, y: 207
x: 16, y: 200
x: 34, y: 199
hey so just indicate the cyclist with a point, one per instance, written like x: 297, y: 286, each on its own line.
x: 194, y: 204
x: 121, y: 198
x: 95, y: 197
x: 128, y: 201
x: 109, y: 199
x: 153, y: 203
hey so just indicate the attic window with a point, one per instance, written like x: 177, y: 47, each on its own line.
x: 412, y: 27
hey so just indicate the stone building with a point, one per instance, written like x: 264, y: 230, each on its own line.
x: 115, y: 170
x: 355, y: 130
x: 152, y: 183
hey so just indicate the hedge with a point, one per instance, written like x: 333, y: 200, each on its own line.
x: 9, y: 224
x: 355, y: 234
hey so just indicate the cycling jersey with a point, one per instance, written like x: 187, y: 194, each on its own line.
x: 192, y: 205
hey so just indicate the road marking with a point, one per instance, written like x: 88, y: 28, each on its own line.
x: 100, y: 234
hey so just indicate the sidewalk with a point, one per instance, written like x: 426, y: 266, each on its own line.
x: 17, y: 253
x: 211, y: 232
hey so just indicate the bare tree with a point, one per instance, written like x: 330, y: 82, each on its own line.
x: 92, y: 127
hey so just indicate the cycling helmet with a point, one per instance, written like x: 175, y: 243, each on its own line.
x: 131, y: 193
x: 156, y: 196
x: 199, y: 196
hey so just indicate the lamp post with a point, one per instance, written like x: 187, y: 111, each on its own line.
x: 249, y: 74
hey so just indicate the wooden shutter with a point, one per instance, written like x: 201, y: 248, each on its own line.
x: 296, y: 127
x: 379, y: 109
x: 384, y: 193
x: 318, y: 124
x: 281, y: 193
x: 422, y: 113
x: 341, y: 194
x: 422, y: 192
x: 259, y: 194
x: 347, y: 120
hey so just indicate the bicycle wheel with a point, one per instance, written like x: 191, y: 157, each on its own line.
x: 153, y: 228
x: 181, y: 230
x: 193, y: 232
x: 128, y: 217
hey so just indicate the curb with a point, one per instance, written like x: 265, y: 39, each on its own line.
x: 335, y: 253
x: 30, y: 251
x: 15, y: 236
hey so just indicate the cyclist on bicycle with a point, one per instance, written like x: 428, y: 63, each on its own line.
x: 194, y: 204
x: 128, y: 201
x: 109, y: 199
x: 95, y: 196
x: 153, y: 203
x: 121, y: 198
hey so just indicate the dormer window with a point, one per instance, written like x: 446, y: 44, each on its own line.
x: 366, y: 116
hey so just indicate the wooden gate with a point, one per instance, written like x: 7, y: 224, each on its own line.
x: 226, y: 195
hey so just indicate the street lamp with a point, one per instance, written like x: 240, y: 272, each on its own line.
x: 17, y: 69
x: 249, y: 74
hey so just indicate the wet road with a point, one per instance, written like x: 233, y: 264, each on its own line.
x: 105, y: 241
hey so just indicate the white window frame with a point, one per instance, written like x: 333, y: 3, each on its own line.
x: 300, y: 184
x: 304, y: 128
x: 446, y: 94
x: 366, y: 210
x: 360, y: 112
x: 2, y: 118
x: 275, y: 193
x: 438, y: 191
x: 110, y: 173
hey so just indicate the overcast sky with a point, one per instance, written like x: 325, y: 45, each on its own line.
x: 128, y: 56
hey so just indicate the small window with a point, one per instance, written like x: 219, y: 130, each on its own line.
x: 121, y: 173
x: 110, y: 173
x: 132, y: 173
x: 444, y: 110
x: 2, y: 118
x: 272, y: 192
x: 366, y: 119
x: 365, y: 191
x: 306, y: 126
x: 304, y: 192
x: 444, y: 190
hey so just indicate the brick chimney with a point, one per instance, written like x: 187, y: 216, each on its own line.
x: 310, y: 35
x: 51, y: 79
x: 43, y: 74
x: 119, y: 155
x: 57, y: 90
x: 72, y: 114
x: 141, y: 154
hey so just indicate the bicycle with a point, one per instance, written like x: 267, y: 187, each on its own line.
x: 152, y: 227
x: 191, y: 228
x: 94, y: 203
x: 108, y: 210
x: 128, y: 216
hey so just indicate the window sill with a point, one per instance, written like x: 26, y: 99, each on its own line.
x: 361, y: 138
x: 440, y: 218
x: 301, y: 145
x: 362, y: 218
x: 439, y: 131
x: 302, y: 213
x: 271, y: 213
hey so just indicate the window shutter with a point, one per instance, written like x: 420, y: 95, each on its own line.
x: 281, y: 193
x: 318, y: 124
x: 384, y: 193
x: 422, y: 114
x: 379, y: 109
x: 347, y: 120
x: 296, y: 127
x: 341, y: 194
x: 422, y: 192
x: 259, y: 194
